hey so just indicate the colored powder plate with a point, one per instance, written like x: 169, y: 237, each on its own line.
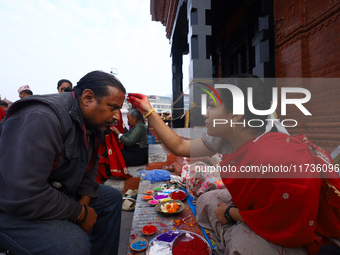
x: 168, y: 236
x: 149, y: 229
x: 153, y: 202
x: 158, y: 189
x: 147, y: 197
x: 165, y: 199
x: 194, y: 246
x: 148, y: 192
x: 139, y: 244
x: 160, y: 196
x: 178, y: 195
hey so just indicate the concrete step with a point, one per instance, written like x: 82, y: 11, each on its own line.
x: 119, y: 183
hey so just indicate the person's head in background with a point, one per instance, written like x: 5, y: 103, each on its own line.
x: 25, y: 91
x: 134, y: 116
x: 4, y: 105
x: 64, y: 85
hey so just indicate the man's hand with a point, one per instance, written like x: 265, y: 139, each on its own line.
x: 221, y: 207
x: 90, y: 220
x: 115, y: 130
x: 84, y: 200
x: 140, y: 101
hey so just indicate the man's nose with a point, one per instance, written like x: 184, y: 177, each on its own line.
x: 116, y: 115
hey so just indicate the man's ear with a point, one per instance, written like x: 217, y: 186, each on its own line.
x: 87, y: 97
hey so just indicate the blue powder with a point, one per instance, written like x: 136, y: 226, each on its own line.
x: 139, y: 245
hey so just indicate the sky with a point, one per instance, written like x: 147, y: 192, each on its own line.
x: 43, y: 41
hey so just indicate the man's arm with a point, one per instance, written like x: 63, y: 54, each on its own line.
x: 30, y: 142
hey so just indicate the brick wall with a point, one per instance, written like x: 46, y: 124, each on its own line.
x: 307, y: 34
x: 307, y: 38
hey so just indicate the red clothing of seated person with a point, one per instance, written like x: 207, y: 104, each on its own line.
x: 292, y: 210
x: 2, y: 113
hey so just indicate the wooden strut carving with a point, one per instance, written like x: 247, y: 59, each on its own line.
x: 165, y: 12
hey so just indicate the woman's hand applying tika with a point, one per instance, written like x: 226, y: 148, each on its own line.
x: 140, y: 101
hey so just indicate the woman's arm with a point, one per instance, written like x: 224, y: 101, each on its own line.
x: 233, y: 212
x: 178, y: 146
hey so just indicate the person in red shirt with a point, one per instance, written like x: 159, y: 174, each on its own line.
x: 2, y: 113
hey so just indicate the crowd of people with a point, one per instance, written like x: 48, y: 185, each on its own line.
x: 57, y: 149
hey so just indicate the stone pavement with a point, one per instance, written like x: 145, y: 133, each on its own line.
x: 156, y: 154
x: 127, y: 218
x: 119, y: 183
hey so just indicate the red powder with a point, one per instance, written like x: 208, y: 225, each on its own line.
x: 178, y: 195
x: 163, y: 225
x: 147, y: 197
x: 149, y: 229
x: 132, y: 237
x: 195, y: 246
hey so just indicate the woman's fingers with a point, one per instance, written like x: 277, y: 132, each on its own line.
x: 134, y: 101
x: 139, y: 101
x: 137, y: 95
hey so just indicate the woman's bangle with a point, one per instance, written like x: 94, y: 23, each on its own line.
x: 85, y: 207
x: 147, y: 115
x: 117, y: 132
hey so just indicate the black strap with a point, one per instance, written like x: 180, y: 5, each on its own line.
x: 227, y: 215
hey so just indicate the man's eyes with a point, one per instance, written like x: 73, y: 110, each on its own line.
x: 114, y: 108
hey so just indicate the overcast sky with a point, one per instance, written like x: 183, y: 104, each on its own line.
x: 43, y: 41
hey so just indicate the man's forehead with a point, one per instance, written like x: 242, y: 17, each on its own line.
x: 116, y: 97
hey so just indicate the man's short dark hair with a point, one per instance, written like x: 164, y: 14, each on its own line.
x: 27, y: 91
x: 62, y: 81
x: 97, y: 81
